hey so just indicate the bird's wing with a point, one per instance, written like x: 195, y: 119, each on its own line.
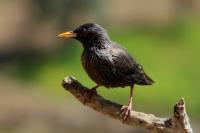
x: 122, y: 61
x: 126, y: 66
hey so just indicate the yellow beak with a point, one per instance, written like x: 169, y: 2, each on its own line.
x: 68, y: 34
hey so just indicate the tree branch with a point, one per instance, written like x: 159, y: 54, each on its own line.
x: 178, y: 123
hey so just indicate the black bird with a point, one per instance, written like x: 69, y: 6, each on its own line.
x: 106, y: 62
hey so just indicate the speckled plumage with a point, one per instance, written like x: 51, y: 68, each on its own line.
x: 106, y: 62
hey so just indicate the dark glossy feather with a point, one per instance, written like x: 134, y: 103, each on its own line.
x: 113, y: 67
x: 106, y: 62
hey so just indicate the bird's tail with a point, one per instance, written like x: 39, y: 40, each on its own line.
x: 148, y: 80
x: 144, y: 80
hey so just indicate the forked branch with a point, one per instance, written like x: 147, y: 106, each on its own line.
x: 178, y: 123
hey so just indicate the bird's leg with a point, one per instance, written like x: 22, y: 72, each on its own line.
x: 125, y: 110
x: 88, y: 94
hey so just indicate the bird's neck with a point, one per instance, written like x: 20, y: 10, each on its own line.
x: 98, y: 43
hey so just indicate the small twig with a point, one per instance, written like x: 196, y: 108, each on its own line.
x: 178, y: 123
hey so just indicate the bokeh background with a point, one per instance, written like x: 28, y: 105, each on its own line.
x: 164, y: 36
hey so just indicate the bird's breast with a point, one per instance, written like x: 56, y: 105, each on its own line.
x: 101, y: 69
x: 97, y: 66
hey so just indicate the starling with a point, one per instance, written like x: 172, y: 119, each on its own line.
x: 107, y: 63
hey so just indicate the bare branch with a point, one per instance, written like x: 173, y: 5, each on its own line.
x: 178, y: 123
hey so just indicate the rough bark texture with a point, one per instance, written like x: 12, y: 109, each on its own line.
x: 178, y: 123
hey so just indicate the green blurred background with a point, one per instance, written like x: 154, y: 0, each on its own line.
x: 164, y: 36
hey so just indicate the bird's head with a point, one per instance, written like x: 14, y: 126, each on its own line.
x: 89, y: 35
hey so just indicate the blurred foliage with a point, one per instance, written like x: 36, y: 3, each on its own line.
x: 169, y: 54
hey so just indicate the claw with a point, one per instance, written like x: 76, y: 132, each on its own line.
x: 125, y: 112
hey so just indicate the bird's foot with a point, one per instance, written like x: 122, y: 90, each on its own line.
x: 88, y: 95
x: 125, y: 112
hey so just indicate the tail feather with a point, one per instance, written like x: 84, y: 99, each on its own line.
x: 148, y: 80
x: 141, y: 77
x: 144, y: 80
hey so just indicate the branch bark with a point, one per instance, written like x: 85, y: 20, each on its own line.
x: 178, y: 123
